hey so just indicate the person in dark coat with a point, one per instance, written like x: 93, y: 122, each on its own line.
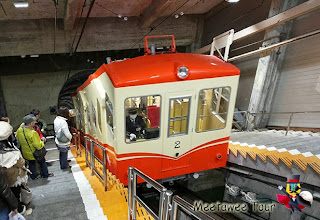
x: 135, y: 126
x: 8, y: 202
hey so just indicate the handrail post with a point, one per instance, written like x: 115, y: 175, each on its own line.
x: 134, y: 194
x: 79, y: 142
x: 289, y: 123
x: 246, y: 122
x: 167, y: 207
x: 92, y: 156
x: 174, y: 210
x: 104, y: 170
x: 130, y: 178
x: 162, y: 203
x: 86, y: 149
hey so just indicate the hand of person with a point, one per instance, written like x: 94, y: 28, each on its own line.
x: 42, y: 130
x: 280, y: 187
x: 132, y: 136
x: 14, y: 212
x: 28, y: 171
x: 138, y: 129
x: 43, y: 139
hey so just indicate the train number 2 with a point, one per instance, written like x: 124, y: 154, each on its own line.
x: 177, y: 144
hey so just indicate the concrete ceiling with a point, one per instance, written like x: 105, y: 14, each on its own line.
x: 33, y: 30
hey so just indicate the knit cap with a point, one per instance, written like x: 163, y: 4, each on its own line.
x: 28, y: 119
x: 5, y: 130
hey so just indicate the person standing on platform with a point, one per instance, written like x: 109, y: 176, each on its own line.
x: 40, y: 122
x: 8, y: 202
x: 62, y: 136
x: 13, y: 164
x: 30, y: 141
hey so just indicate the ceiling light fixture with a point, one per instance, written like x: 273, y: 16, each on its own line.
x: 232, y: 1
x: 21, y: 4
x: 178, y: 15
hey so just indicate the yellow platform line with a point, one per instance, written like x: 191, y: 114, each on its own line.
x: 114, y: 201
x: 287, y: 158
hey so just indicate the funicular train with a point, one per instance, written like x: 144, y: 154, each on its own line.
x: 180, y: 107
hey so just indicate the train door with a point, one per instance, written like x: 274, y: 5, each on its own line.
x: 177, y: 129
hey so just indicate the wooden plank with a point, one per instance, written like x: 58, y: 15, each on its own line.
x: 281, y: 18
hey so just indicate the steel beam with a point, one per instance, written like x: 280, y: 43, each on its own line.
x: 278, y: 19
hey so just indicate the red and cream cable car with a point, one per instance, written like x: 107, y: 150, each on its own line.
x: 166, y: 114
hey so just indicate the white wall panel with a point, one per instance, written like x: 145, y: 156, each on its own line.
x: 297, y: 89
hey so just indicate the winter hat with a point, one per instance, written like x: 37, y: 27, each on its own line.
x: 28, y: 119
x: 307, y: 197
x: 5, y: 130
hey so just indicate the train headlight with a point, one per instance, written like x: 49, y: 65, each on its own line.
x: 183, y: 72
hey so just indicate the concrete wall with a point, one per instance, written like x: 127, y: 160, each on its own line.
x: 298, y: 89
x: 22, y: 93
x: 25, y: 37
x: 239, y: 16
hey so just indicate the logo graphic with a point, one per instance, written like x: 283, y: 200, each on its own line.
x: 294, y: 198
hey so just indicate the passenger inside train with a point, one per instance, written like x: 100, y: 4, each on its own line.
x: 135, y: 125
x: 142, y: 118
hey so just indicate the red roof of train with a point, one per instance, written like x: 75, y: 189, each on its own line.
x: 162, y: 68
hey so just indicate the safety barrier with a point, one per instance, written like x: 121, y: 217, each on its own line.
x: 248, y: 116
x: 91, y: 158
x: 76, y: 142
x: 168, y: 206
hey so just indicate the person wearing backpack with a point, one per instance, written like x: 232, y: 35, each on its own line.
x: 62, y: 136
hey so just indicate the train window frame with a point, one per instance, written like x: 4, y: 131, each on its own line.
x: 109, y: 107
x: 88, y: 118
x: 125, y: 115
x: 94, y: 117
x: 82, y: 111
x: 99, y: 120
x: 78, y: 113
x: 188, y: 117
x: 219, y: 118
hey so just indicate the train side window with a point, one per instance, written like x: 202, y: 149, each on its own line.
x: 81, y: 118
x: 88, y: 118
x: 142, y: 118
x: 99, y: 116
x: 78, y: 114
x: 94, y: 117
x: 213, y: 108
x: 179, y: 116
x: 109, y: 112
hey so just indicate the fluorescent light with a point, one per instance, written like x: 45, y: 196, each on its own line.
x: 34, y: 55
x: 232, y: 1
x: 21, y: 4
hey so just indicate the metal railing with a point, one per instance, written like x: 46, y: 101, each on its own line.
x: 91, y: 158
x: 168, y: 207
x: 246, y: 120
x: 177, y: 201
x: 76, y: 142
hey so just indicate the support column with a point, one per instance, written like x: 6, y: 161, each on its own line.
x: 269, y: 67
x: 3, y: 110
